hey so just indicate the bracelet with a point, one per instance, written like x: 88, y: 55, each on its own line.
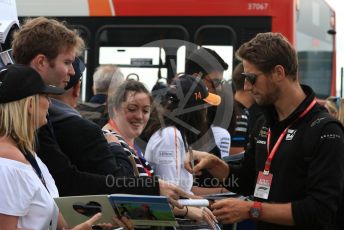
x: 187, y: 210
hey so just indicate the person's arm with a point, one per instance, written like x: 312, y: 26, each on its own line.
x: 84, y: 143
x: 9, y: 222
x: 325, y: 182
x: 196, y: 214
x: 87, y: 225
x: 124, y: 222
x: 172, y: 192
x: 238, y: 179
x: 72, y: 182
x: 223, y: 140
x: 201, y: 191
x: 236, y: 210
x: 61, y: 222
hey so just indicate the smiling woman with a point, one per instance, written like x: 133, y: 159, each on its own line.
x: 129, y: 109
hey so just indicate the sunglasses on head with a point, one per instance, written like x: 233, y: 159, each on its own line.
x: 250, y: 77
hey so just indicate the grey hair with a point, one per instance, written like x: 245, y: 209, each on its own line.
x: 107, y: 77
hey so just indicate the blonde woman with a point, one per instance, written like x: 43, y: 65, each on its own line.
x: 27, y: 188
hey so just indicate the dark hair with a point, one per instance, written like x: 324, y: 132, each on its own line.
x: 204, y: 61
x: 120, y: 95
x: 267, y: 50
x: 237, y: 79
x: 160, y: 117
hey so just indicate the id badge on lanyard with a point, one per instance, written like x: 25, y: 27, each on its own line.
x: 263, y: 185
x: 264, y: 179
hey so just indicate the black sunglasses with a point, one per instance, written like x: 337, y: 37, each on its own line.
x: 250, y: 77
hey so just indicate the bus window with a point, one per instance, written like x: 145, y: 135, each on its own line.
x: 222, y: 39
x: 142, y: 61
x: 314, y: 46
x: 226, y: 53
x: 181, y: 56
x: 149, y: 51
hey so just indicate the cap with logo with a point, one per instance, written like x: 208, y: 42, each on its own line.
x: 193, y: 90
x: 19, y: 81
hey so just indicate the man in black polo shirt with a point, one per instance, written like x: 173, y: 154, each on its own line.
x: 296, y: 173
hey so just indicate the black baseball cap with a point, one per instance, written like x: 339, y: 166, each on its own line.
x: 193, y: 89
x: 79, y: 68
x: 19, y: 81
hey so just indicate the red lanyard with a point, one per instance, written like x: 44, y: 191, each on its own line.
x: 276, y: 146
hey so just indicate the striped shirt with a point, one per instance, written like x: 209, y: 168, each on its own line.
x: 142, y: 166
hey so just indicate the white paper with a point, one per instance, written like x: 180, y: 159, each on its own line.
x: 194, y: 202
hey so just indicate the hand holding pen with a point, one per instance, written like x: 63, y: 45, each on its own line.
x: 195, y: 161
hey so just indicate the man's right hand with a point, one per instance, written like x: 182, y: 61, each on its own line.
x: 203, y: 160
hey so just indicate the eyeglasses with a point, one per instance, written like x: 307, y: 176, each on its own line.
x: 217, y: 82
x: 250, y: 77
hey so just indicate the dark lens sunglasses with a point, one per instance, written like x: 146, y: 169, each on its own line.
x: 250, y: 77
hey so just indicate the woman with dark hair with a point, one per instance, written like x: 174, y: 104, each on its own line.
x: 182, y: 120
x: 129, y: 110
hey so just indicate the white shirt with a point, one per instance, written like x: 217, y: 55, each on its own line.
x: 222, y: 140
x: 23, y: 194
x: 165, y: 152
